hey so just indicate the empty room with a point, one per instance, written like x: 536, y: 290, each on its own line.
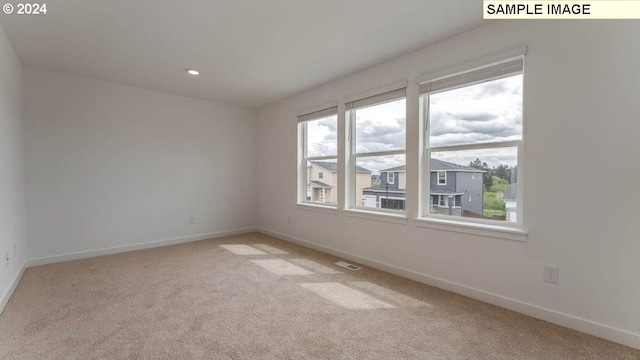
x: 306, y: 179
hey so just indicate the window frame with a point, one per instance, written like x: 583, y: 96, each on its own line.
x: 425, y: 202
x: 303, y: 158
x: 392, y: 175
x: 438, y: 177
x: 352, y: 155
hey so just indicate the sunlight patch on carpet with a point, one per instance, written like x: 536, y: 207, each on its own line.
x: 389, y: 294
x: 346, y: 297
x: 270, y: 249
x: 282, y: 267
x: 319, y: 268
x: 243, y: 250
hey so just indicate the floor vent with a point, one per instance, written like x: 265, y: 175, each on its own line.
x: 348, y: 266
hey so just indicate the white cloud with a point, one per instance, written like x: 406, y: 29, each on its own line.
x: 485, y: 112
x: 381, y: 128
x: 322, y: 136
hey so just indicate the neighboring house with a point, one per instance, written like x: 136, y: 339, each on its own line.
x: 510, y: 201
x: 390, y: 193
x: 322, y: 177
x: 454, y: 189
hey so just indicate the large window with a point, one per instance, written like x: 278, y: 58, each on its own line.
x: 377, y: 137
x: 473, y: 144
x: 318, y: 154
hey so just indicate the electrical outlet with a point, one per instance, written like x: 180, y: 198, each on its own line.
x: 192, y: 219
x: 550, y: 274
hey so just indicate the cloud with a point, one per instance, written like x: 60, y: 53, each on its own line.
x: 377, y: 163
x: 381, y: 135
x: 485, y: 112
x: 450, y: 129
x: 323, y: 149
x: 493, y: 157
x: 322, y: 137
x: 492, y: 88
x: 330, y: 123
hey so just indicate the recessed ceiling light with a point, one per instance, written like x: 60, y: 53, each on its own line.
x: 192, y: 71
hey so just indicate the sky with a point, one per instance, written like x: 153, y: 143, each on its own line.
x: 486, y: 112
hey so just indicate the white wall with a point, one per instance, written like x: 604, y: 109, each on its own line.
x: 109, y: 165
x: 12, y: 213
x: 581, y: 198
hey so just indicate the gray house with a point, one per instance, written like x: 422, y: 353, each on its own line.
x: 454, y: 189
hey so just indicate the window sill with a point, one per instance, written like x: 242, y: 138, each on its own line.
x: 377, y: 216
x: 327, y: 209
x: 494, y: 231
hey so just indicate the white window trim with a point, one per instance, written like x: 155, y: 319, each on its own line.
x: 386, y: 215
x: 469, y: 65
x: 438, y: 177
x: 469, y: 227
x: 484, y: 227
x: 393, y: 177
x: 310, y: 206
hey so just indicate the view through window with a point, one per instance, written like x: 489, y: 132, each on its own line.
x: 379, y: 151
x: 474, y: 140
x: 319, y: 138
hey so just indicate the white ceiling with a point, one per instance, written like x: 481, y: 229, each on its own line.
x: 250, y: 52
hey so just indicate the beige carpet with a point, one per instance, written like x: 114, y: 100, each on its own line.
x: 256, y: 297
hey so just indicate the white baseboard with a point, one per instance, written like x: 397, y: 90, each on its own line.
x: 133, y: 247
x: 573, y: 322
x: 7, y: 294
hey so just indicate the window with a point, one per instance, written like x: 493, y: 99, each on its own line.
x: 377, y: 146
x: 318, y: 155
x: 473, y: 137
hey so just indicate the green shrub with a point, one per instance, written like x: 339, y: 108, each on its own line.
x: 491, y: 202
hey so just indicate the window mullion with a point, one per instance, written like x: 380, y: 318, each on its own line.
x: 382, y: 153
x: 317, y: 158
x: 486, y: 145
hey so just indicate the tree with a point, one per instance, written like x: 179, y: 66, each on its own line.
x: 478, y: 164
x: 492, y: 202
x: 487, y: 178
x: 499, y: 186
x: 503, y: 172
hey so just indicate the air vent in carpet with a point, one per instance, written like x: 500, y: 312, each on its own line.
x: 346, y: 265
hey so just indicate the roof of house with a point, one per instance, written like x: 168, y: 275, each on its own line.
x: 438, y: 165
x: 396, y: 168
x: 320, y: 184
x: 333, y: 167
